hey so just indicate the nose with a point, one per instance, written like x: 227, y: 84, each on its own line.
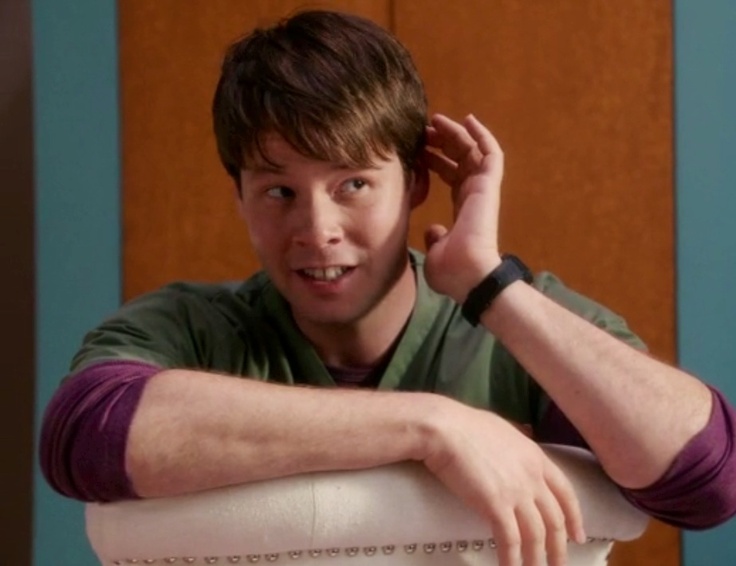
x: 318, y: 223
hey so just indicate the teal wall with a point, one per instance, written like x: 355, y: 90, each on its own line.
x: 77, y: 218
x: 78, y: 248
x: 705, y: 133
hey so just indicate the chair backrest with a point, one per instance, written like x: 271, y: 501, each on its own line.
x: 391, y: 515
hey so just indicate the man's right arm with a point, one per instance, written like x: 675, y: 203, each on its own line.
x: 191, y: 430
x: 123, y: 428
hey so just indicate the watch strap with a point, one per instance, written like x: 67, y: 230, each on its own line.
x: 482, y: 295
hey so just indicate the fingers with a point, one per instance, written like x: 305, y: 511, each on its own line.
x: 507, y: 536
x: 488, y: 145
x: 457, y: 145
x: 532, y: 534
x: 565, y: 496
x: 468, y: 149
x: 469, y: 141
x: 453, y: 139
x: 555, y: 532
x: 536, y: 531
x: 532, y: 529
x: 445, y: 167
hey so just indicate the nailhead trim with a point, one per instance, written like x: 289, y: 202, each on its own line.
x: 427, y: 548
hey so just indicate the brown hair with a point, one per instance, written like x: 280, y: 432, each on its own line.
x: 337, y: 87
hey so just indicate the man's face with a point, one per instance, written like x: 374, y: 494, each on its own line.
x: 332, y: 239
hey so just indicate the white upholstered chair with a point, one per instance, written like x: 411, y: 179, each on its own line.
x: 392, y: 515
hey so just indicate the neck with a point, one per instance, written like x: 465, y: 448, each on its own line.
x: 364, y: 342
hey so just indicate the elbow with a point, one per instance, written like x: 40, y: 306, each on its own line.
x: 699, y: 490
x: 59, y: 434
x: 718, y: 490
x: 84, y: 431
x: 709, y: 509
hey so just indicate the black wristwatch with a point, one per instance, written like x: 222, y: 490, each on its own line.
x: 480, y: 298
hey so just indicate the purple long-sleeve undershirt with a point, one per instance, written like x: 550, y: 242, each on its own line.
x: 85, y: 431
x: 699, y: 488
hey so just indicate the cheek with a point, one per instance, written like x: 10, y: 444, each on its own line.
x: 390, y: 217
x: 263, y: 234
x: 382, y: 229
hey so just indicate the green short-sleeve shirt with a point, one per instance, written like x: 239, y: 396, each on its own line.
x: 246, y: 329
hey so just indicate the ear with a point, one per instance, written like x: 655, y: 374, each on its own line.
x: 419, y: 184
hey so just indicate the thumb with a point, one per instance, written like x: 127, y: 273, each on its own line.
x: 434, y: 234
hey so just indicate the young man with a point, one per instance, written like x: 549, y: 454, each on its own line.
x: 321, y: 123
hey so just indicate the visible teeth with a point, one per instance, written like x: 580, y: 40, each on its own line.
x: 327, y: 274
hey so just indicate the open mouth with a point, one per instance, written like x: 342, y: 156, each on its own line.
x: 331, y: 273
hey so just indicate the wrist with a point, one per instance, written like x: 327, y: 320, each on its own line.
x: 472, y: 276
x: 479, y: 299
x: 430, y: 422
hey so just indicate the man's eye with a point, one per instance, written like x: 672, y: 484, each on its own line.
x: 353, y: 185
x: 280, y: 192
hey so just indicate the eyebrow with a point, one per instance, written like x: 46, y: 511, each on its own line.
x: 267, y: 169
x: 369, y: 167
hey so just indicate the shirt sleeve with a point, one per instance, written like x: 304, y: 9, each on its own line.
x: 168, y: 328
x: 85, y: 430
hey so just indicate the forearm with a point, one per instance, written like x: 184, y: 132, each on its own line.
x: 195, y: 430
x: 120, y: 429
x: 635, y: 412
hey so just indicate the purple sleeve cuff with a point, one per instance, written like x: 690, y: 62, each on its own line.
x: 85, y: 430
x: 698, y: 491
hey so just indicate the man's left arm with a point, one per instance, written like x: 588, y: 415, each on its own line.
x: 637, y: 414
x: 658, y: 432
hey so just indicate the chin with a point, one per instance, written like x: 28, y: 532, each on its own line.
x: 325, y: 317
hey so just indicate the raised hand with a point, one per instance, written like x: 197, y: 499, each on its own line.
x: 468, y: 158
x: 529, y: 503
